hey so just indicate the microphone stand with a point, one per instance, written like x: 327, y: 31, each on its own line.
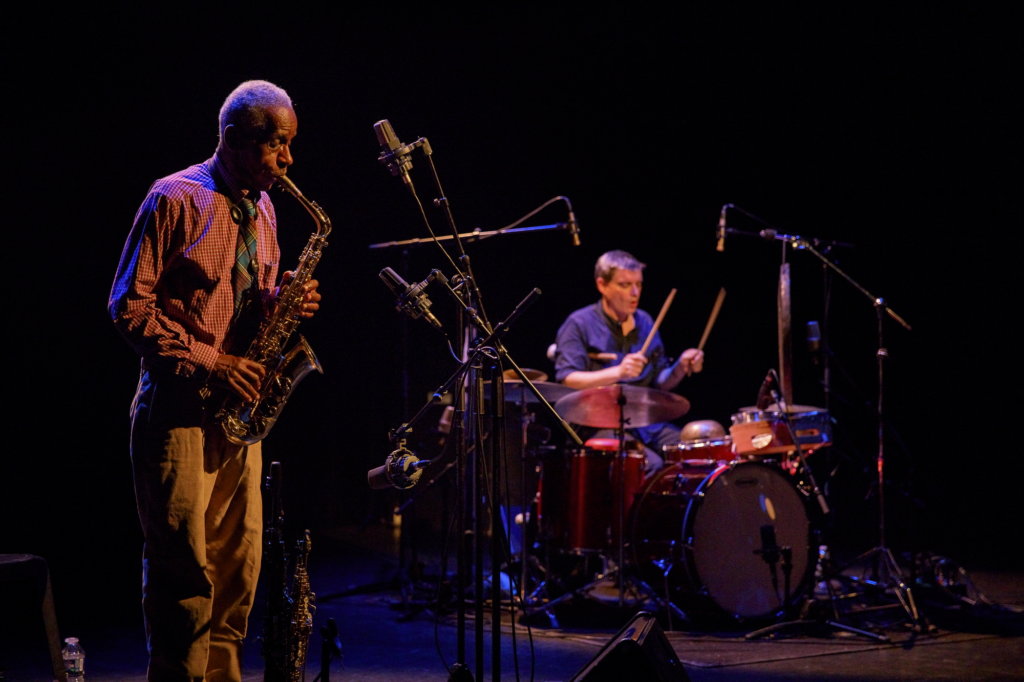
x: 475, y: 235
x: 885, y: 572
x: 479, y: 355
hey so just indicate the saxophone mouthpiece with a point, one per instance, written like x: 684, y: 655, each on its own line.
x: 287, y: 185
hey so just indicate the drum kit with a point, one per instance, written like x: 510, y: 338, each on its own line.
x: 724, y: 532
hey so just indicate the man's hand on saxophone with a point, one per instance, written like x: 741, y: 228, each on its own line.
x: 311, y: 297
x: 241, y: 375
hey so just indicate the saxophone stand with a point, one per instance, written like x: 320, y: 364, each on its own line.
x: 881, y: 573
x: 330, y: 649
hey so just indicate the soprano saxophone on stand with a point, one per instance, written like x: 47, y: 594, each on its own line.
x: 291, y: 601
x: 247, y: 422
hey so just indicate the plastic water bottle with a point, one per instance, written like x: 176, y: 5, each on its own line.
x: 74, y: 659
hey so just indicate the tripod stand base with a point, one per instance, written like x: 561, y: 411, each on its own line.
x: 882, y: 575
x: 828, y: 625
x: 612, y: 588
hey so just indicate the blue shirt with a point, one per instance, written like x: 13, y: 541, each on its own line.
x: 590, y: 330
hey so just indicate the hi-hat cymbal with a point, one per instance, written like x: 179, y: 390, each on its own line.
x: 599, y: 407
x: 519, y: 392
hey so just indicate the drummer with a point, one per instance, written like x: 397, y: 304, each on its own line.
x: 599, y: 345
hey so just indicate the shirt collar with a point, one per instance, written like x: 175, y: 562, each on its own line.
x: 228, y: 183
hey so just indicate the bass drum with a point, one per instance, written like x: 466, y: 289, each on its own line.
x: 732, y: 543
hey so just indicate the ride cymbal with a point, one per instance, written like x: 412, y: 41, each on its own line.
x: 599, y: 407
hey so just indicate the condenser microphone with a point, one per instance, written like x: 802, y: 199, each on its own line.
x: 774, y: 388
x: 814, y: 340
x: 720, y: 234
x: 393, y: 153
x: 765, y: 394
x: 411, y: 299
x: 402, y: 469
x: 574, y: 229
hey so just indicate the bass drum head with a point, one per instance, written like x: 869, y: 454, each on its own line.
x: 749, y: 540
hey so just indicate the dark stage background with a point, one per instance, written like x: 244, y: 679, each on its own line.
x: 891, y: 131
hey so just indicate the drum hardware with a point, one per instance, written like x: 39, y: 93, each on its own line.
x: 624, y: 477
x: 819, y: 609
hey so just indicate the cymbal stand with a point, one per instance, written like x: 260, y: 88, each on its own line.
x: 884, y: 573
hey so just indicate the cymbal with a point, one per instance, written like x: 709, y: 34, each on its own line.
x: 518, y: 392
x: 774, y: 409
x: 533, y: 375
x: 599, y: 407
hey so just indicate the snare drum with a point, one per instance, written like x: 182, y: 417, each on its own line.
x: 765, y: 432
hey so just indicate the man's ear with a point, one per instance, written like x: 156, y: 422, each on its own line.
x: 232, y: 137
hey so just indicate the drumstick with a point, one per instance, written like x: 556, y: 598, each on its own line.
x: 711, y: 320
x: 657, y: 322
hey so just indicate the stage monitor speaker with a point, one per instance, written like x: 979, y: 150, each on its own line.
x: 639, y: 651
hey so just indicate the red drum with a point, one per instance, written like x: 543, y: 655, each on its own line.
x: 709, y: 450
x: 599, y: 481
x: 734, y: 541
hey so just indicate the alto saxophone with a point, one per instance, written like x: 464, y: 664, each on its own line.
x: 247, y: 422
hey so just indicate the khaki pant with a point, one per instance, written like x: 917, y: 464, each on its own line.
x: 200, y: 509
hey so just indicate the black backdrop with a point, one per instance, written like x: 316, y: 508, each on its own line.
x: 888, y: 130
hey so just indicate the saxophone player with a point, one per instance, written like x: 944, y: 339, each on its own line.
x: 190, y: 289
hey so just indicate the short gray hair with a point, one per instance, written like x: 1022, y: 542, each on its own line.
x: 611, y: 261
x: 247, y: 106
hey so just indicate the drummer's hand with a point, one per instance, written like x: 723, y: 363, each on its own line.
x: 691, y: 361
x: 632, y: 365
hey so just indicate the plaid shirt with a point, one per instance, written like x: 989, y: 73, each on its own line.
x: 172, y: 298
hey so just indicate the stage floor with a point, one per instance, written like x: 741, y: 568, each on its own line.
x: 396, y: 629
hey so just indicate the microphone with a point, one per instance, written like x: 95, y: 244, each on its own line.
x: 769, y: 546
x: 720, y: 234
x: 773, y: 389
x: 401, y: 470
x: 814, y: 340
x: 574, y: 229
x: 766, y: 394
x: 393, y: 153
x: 412, y: 300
